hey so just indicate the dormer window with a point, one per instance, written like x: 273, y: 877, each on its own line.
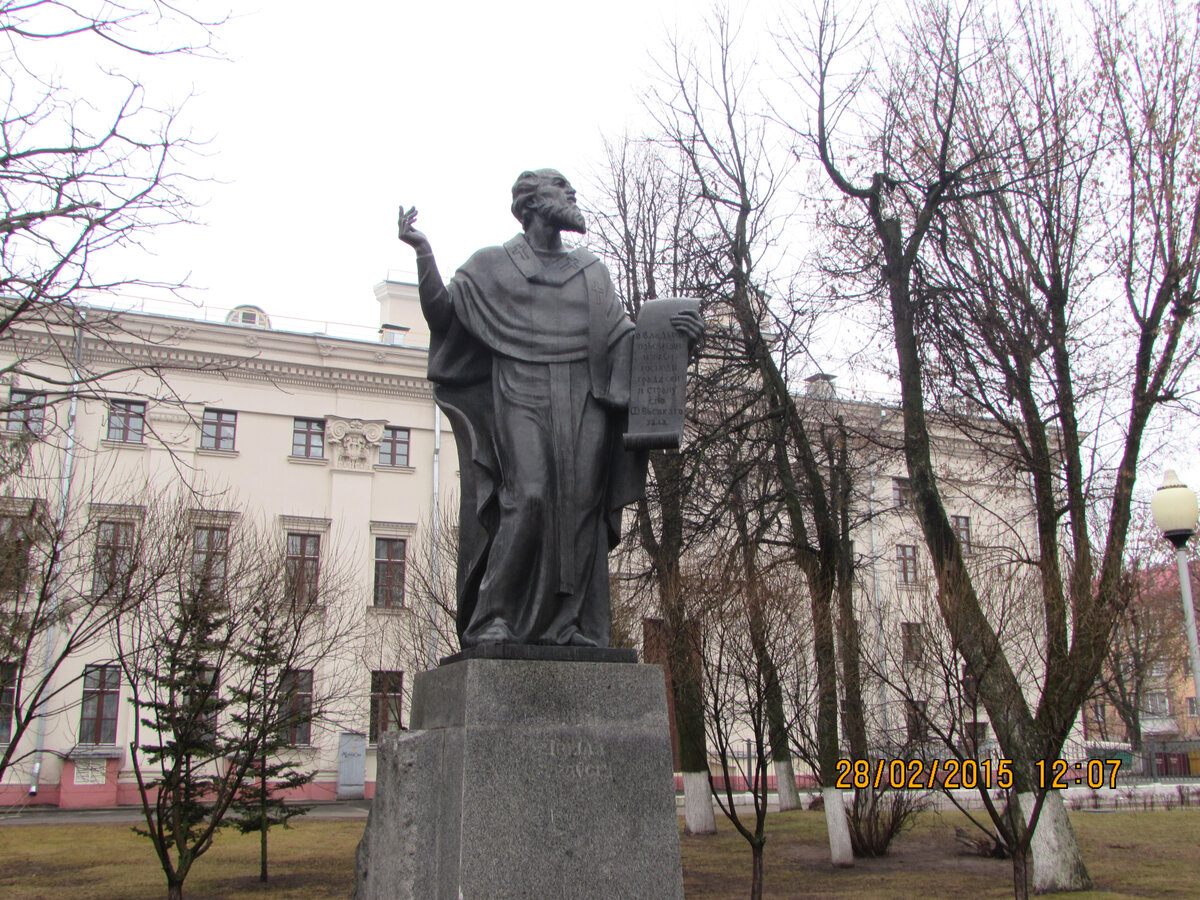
x: 248, y: 317
x: 393, y: 334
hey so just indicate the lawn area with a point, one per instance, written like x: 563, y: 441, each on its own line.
x: 1129, y: 854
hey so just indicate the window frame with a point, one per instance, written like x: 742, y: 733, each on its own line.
x: 122, y: 416
x: 205, y: 559
x: 906, y: 565
x: 961, y: 525
x: 26, y: 414
x: 102, y: 687
x: 387, y: 703
x: 111, y: 558
x: 295, y: 701
x: 15, y: 546
x: 970, y: 689
x: 209, y: 720
x: 302, y: 569
x: 389, y: 444
x: 308, y: 438
x: 1152, y: 707
x: 393, y: 572
x: 976, y: 733
x: 8, y: 698
x: 916, y: 721
x: 912, y: 642
x: 213, y: 428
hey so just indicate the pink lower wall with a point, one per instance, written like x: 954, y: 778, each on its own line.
x: 113, y: 792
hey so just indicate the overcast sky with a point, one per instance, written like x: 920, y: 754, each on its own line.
x: 321, y: 124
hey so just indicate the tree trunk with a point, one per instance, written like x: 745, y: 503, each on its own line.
x: 1057, y: 862
x: 698, y: 815
x: 262, y: 824
x: 1020, y: 867
x: 174, y: 890
x: 756, y: 870
x: 841, y: 850
x: 785, y: 785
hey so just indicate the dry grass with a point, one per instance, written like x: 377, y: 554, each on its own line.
x: 1130, y: 854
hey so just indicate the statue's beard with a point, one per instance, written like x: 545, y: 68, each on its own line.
x: 564, y: 216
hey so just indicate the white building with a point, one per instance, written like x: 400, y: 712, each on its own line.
x: 336, y: 443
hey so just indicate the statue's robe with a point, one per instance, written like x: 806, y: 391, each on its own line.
x: 530, y: 357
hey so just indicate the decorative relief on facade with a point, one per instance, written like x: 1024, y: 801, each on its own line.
x: 355, y: 442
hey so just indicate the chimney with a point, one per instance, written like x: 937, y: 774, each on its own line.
x: 820, y: 387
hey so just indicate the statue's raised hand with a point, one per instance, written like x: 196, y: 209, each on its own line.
x: 410, y: 235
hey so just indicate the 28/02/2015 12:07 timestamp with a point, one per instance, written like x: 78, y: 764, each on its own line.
x: 923, y: 775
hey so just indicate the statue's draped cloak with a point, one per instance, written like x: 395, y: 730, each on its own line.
x: 530, y: 357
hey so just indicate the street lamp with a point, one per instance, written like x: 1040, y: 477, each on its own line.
x: 1175, y: 510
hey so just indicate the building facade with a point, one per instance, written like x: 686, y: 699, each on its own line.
x: 333, y: 446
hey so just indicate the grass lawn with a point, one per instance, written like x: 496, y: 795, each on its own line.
x: 1129, y: 854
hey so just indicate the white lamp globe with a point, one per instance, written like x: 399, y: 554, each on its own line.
x: 1175, y: 508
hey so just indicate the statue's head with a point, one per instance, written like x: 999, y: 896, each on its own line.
x: 547, y: 193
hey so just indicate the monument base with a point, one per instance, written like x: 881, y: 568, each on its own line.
x: 526, y: 778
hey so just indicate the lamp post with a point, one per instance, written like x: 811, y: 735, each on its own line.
x: 1175, y: 510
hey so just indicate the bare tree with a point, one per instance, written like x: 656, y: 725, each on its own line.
x: 237, y: 644
x: 83, y: 172
x: 647, y: 232
x: 748, y: 618
x: 981, y: 195
x: 727, y: 151
x: 68, y: 573
x: 1148, y: 644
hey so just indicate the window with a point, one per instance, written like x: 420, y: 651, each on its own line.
x: 906, y: 563
x: 26, y: 412
x: 1191, y: 703
x: 912, y: 636
x: 204, y: 700
x: 1156, y: 703
x: 970, y: 688
x: 915, y: 722
x: 295, y: 693
x: 8, y: 693
x: 389, y: 571
x: 1158, y: 670
x: 962, y: 528
x: 386, y: 690
x: 393, y: 450
x: 303, y: 566
x: 217, y: 429
x: 974, y: 735
x: 210, y: 553
x: 98, y: 717
x: 14, y: 554
x: 114, y: 556
x: 126, y: 421
x: 308, y: 438
x: 1100, y: 712
x: 902, y: 495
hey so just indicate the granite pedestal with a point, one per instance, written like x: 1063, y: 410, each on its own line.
x: 526, y: 778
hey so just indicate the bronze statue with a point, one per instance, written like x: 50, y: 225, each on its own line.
x: 530, y: 359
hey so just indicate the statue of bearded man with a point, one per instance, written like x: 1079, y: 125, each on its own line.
x: 530, y: 356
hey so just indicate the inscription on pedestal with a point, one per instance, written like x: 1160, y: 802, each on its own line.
x: 579, y: 759
x: 659, y: 383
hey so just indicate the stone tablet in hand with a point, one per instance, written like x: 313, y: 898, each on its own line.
x: 659, y: 380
